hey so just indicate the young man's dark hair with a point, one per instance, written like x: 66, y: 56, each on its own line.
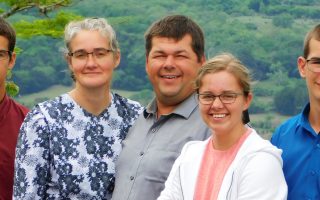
x: 8, y: 32
x: 312, y: 34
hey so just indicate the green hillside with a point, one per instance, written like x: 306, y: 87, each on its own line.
x: 267, y: 36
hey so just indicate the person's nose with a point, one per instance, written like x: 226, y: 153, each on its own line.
x: 216, y: 103
x: 91, y: 61
x: 169, y: 62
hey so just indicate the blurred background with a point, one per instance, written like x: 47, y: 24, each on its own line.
x: 266, y: 35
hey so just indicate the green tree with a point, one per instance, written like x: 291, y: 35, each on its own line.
x: 254, y: 5
x: 43, y: 6
x: 42, y: 26
x: 291, y: 99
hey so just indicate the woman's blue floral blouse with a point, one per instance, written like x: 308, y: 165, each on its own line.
x: 64, y: 152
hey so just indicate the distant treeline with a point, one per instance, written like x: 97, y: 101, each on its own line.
x: 267, y: 35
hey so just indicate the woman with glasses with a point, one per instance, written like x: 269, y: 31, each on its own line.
x: 68, y: 146
x: 235, y: 162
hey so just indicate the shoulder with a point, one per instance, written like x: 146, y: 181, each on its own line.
x: 125, y: 101
x: 262, y: 158
x: 287, y: 127
x: 43, y: 109
x: 126, y: 104
x: 260, y: 174
x: 193, y: 149
x: 23, y: 110
x: 263, y: 167
x: 57, y: 105
x: 291, y: 122
x: 35, y: 121
x: 255, y: 145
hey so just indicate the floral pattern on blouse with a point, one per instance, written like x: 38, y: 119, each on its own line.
x: 64, y: 152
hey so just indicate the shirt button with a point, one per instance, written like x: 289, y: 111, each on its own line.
x: 312, y: 173
x: 131, y: 177
x: 153, y: 130
x: 141, y: 153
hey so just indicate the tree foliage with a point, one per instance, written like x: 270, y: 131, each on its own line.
x: 43, y: 6
x: 283, y: 20
x: 266, y: 35
x: 291, y: 99
x: 52, y: 27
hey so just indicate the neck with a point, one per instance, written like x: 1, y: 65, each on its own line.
x: 166, y: 105
x: 93, y: 101
x: 224, y: 141
x: 163, y: 109
x: 314, y: 116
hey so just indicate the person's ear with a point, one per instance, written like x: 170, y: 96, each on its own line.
x: 12, y: 60
x: 302, y: 66
x: 147, y: 63
x: 117, y: 57
x: 248, y: 101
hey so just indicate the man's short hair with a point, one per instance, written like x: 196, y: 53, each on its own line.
x: 176, y: 27
x: 8, y: 32
x: 313, y: 34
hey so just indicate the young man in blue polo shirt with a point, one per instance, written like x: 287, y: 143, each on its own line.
x: 299, y: 136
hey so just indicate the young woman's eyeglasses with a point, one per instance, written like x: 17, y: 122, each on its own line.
x: 98, y: 53
x: 226, y: 98
x: 4, y: 54
x: 313, y: 64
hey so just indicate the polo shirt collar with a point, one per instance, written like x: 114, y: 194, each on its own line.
x: 304, y: 120
x: 184, y: 109
x: 4, y: 107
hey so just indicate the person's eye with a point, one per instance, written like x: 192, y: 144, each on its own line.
x: 3, y: 54
x: 228, y: 96
x: 181, y: 56
x: 158, y: 56
x: 316, y: 61
x: 206, y: 97
x: 100, y: 53
x: 80, y: 54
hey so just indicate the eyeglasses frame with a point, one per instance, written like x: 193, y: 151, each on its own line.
x: 8, y: 52
x: 213, y: 97
x: 308, y: 66
x: 71, y: 54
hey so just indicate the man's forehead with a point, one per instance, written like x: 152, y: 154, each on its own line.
x: 4, y: 43
x: 175, y: 39
x: 165, y: 43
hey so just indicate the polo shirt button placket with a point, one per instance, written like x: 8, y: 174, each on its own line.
x: 313, y: 173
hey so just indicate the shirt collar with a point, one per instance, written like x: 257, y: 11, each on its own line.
x: 184, y: 109
x: 304, y: 120
x: 4, y: 101
x: 4, y: 106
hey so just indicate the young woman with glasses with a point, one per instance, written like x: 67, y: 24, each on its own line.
x: 235, y: 163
